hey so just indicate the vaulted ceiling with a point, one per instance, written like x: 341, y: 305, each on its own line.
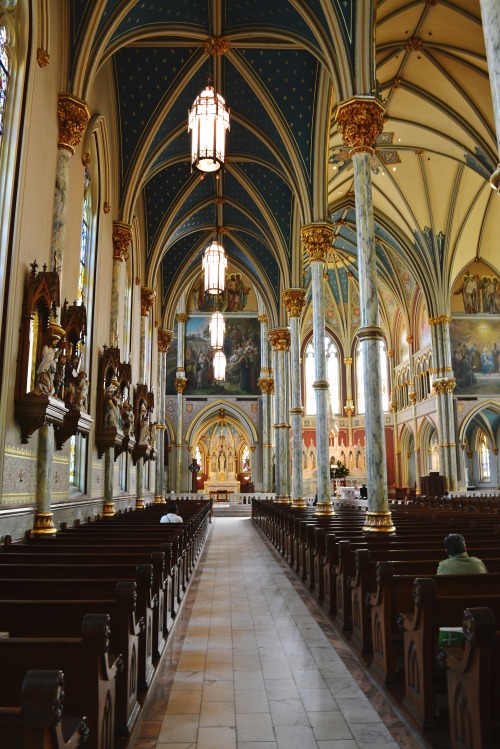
x: 286, y: 64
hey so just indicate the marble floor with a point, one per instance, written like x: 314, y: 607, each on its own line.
x: 253, y: 664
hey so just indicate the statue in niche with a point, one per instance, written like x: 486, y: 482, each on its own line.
x: 127, y: 418
x: 213, y: 463
x: 81, y: 391
x: 46, y: 370
x: 112, y: 406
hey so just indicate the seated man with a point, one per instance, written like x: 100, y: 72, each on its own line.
x: 172, y: 515
x: 459, y: 562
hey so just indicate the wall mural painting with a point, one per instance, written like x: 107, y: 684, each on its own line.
x: 475, y: 355
x: 234, y: 298
x: 241, y: 348
x: 476, y: 291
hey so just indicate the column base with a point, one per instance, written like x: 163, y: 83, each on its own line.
x: 283, y: 500
x: 43, y: 525
x: 159, y: 500
x: 378, y: 522
x: 324, y: 509
x: 139, y: 503
x: 108, y: 509
x: 299, y: 503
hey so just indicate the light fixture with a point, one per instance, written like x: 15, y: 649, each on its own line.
x: 219, y: 366
x: 214, y: 265
x: 217, y: 328
x: 208, y: 122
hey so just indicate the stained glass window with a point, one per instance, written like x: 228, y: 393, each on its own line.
x: 360, y: 380
x: 484, y: 459
x: 4, y: 74
x: 84, y: 242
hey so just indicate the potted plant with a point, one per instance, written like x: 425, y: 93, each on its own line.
x: 338, y: 470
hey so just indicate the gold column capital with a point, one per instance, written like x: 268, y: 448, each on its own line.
x: 182, y: 317
x: 262, y: 318
x: 348, y: 361
x: 180, y: 385
x: 390, y: 354
x: 360, y: 121
x: 440, y: 320
x: 279, y: 338
x: 317, y: 240
x: 147, y: 300
x: 73, y: 115
x: 164, y: 340
x: 444, y: 386
x: 266, y: 385
x: 294, y: 301
x: 122, y: 236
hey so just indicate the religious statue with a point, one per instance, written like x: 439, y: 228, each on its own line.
x: 143, y: 425
x: 81, y: 391
x: 111, y: 408
x: 127, y: 418
x: 194, y: 468
x: 152, y: 435
x: 46, y: 370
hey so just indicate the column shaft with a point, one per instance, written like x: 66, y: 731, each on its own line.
x: 321, y: 385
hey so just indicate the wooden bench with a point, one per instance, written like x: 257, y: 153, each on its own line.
x: 146, y: 602
x: 37, y: 617
x: 38, y: 720
x: 437, y: 604
x: 473, y: 684
x: 89, y: 673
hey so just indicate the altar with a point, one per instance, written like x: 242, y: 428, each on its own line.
x: 222, y: 483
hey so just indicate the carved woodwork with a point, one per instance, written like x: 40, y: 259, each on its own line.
x: 112, y: 388
x: 38, y: 328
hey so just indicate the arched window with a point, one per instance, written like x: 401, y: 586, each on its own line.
x: 332, y: 373
x: 85, y: 242
x: 4, y: 75
x: 484, y: 458
x: 360, y: 379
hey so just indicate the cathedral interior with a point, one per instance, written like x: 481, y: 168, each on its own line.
x: 360, y: 295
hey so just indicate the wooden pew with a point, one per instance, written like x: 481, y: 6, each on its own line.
x: 43, y: 617
x: 89, y: 673
x: 437, y: 604
x: 473, y: 685
x: 38, y: 720
x: 146, y: 602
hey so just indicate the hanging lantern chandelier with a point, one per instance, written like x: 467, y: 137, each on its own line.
x: 208, y: 122
x: 214, y: 265
x: 217, y: 328
x: 219, y: 366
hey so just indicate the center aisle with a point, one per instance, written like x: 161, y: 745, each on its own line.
x: 253, y: 665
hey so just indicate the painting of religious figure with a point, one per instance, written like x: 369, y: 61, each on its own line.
x: 475, y: 355
x: 477, y: 291
x: 234, y: 298
x: 241, y: 349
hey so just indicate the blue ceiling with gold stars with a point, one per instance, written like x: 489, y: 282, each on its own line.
x: 269, y: 73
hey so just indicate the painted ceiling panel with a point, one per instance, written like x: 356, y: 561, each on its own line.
x: 175, y: 259
x: 262, y: 14
x: 242, y: 141
x: 143, y: 78
x: 275, y: 193
x: 289, y: 78
x: 160, y: 192
x: 235, y: 217
x: 191, y: 13
x: 262, y: 253
x: 201, y: 219
x: 202, y: 191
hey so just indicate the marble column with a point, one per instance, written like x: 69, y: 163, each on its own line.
x: 147, y: 301
x: 490, y: 13
x: 73, y: 116
x: 164, y: 340
x: 294, y: 301
x: 360, y: 121
x: 412, y: 397
x: 393, y: 406
x: 443, y: 384
x: 180, y: 385
x: 266, y: 384
x: 349, y: 403
x: 317, y: 241
x: 43, y: 524
x: 279, y: 339
x: 122, y: 235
